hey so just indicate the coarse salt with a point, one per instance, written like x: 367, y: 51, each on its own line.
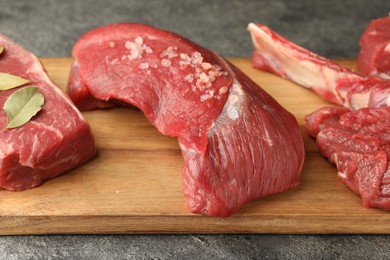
x: 139, y: 40
x: 189, y: 78
x: 204, y: 97
x: 223, y: 90
x: 165, y: 62
x: 170, y: 52
x: 135, y: 54
x: 143, y: 65
x: 206, y: 66
x: 203, y: 77
x: 148, y: 49
x: 128, y: 45
x: 196, y: 59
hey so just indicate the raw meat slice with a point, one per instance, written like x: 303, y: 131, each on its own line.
x: 329, y: 80
x: 374, y: 55
x: 238, y: 143
x: 358, y: 143
x: 56, y: 140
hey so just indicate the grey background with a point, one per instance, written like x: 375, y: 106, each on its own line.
x: 330, y: 28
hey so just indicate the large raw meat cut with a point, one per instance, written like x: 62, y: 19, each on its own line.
x: 238, y: 143
x: 374, y: 54
x: 358, y: 143
x: 329, y: 80
x: 57, y: 139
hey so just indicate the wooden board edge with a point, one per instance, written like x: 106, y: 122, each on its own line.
x: 305, y: 224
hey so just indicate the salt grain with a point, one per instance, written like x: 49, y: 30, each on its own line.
x: 148, y: 49
x: 139, y: 40
x: 189, y: 78
x: 206, y: 66
x: 135, y: 54
x: 172, y: 55
x: 211, y: 93
x: 143, y: 65
x: 204, y: 97
x: 165, y: 63
x: 196, y: 59
x: 128, y: 45
x: 137, y: 48
x: 185, y: 60
x: 223, y: 90
x: 111, y: 44
x: 184, y: 56
x: 170, y: 52
x: 216, y: 67
x: 203, y: 77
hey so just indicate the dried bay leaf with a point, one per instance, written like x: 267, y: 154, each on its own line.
x: 22, y: 105
x: 9, y: 81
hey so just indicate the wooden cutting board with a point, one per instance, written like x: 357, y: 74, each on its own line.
x: 134, y: 184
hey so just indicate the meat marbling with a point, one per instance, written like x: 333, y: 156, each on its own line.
x: 238, y: 143
x: 57, y: 139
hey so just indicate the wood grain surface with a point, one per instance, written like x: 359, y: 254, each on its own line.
x: 134, y: 184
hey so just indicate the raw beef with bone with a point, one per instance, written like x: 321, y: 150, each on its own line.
x: 329, y: 80
x: 357, y: 141
x: 238, y: 143
x: 56, y: 140
x: 374, y: 54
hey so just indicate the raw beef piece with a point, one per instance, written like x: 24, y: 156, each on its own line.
x: 330, y: 81
x: 57, y: 139
x: 358, y: 143
x: 238, y: 143
x: 374, y: 55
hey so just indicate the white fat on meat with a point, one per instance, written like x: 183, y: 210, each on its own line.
x: 232, y: 108
x: 330, y: 80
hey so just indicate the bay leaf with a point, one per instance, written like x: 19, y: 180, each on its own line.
x: 22, y: 105
x: 8, y: 81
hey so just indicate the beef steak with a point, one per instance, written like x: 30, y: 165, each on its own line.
x: 238, y: 143
x: 374, y: 54
x: 57, y: 139
x: 358, y: 143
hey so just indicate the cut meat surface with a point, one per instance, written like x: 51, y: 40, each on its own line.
x: 374, y: 55
x: 56, y: 140
x: 358, y: 143
x: 329, y: 80
x: 238, y: 143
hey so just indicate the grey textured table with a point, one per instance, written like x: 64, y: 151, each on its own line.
x: 331, y: 28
